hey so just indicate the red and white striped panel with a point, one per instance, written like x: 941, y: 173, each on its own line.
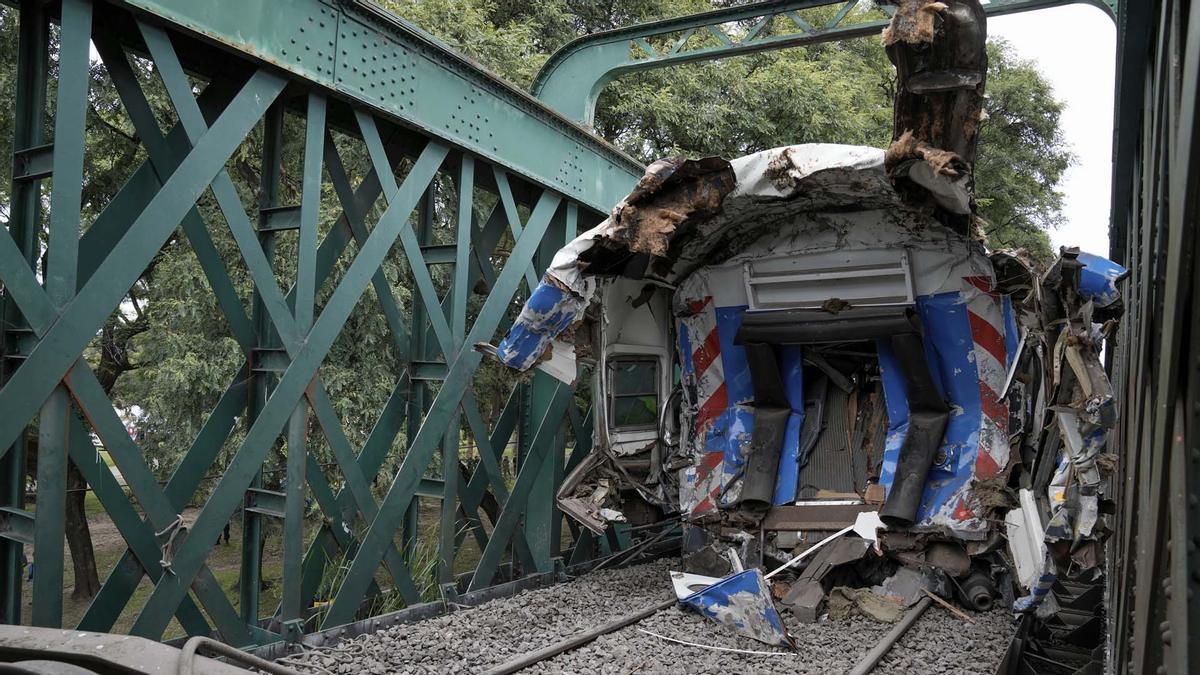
x: 991, y: 358
x: 711, y: 400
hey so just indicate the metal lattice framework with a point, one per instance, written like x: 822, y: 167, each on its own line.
x: 436, y: 121
x: 571, y: 81
x: 342, y: 67
x: 1154, y: 564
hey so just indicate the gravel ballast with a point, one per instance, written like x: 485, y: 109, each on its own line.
x: 479, y: 638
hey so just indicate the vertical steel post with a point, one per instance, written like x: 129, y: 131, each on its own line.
x: 23, y: 226
x: 457, y: 309
x: 292, y: 605
x: 418, y: 351
x: 543, y: 524
x: 62, y: 256
x: 262, y: 382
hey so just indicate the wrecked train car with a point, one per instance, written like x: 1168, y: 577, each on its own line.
x: 783, y: 341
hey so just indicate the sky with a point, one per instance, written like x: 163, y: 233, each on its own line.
x: 1075, y: 47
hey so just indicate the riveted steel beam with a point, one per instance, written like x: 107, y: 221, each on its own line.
x: 375, y: 58
x: 573, y: 77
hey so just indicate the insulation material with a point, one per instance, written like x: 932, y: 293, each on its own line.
x: 913, y: 23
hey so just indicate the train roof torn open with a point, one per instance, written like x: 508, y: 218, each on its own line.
x: 839, y: 350
x: 785, y: 341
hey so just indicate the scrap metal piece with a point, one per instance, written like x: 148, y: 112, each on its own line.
x: 804, y: 600
x: 806, y: 595
x: 939, y: 50
x: 687, y: 585
x: 742, y: 603
x: 1098, y: 279
x: 845, y: 602
x: 1026, y: 539
x: 866, y: 525
x: 551, y: 309
x: 905, y: 585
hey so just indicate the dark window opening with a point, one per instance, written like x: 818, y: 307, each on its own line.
x: 633, y: 393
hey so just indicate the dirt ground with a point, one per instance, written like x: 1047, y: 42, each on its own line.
x: 224, y: 560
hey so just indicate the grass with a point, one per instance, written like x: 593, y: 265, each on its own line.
x: 225, y: 562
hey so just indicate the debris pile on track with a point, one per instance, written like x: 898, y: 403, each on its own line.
x: 476, y: 639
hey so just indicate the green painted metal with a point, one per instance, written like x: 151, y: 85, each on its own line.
x: 521, y: 173
x: 388, y: 64
x: 20, y: 251
x: 573, y: 77
x: 528, y: 479
x: 399, y: 495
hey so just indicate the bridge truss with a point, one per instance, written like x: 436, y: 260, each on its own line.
x: 461, y: 166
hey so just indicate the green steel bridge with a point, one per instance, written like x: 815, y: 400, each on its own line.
x: 419, y: 108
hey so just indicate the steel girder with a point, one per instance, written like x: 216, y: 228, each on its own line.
x: 373, y: 57
x: 50, y: 320
x: 1154, y: 564
x: 327, y: 65
x: 574, y: 76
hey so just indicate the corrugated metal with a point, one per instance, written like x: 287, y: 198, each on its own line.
x: 830, y: 465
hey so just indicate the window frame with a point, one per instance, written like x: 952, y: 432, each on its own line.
x: 613, y: 362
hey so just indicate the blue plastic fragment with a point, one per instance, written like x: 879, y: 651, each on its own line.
x: 1098, y: 280
x: 791, y: 366
x: 548, y: 312
x: 742, y: 603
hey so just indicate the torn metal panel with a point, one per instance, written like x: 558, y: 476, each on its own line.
x: 939, y: 50
x: 1026, y: 537
x: 1098, y: 279
x: 742, y: 603
x: 550, y: 310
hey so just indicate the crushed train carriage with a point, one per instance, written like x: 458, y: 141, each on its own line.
x: 784, y: 341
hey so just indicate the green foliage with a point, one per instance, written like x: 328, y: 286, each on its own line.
x: 1022, y: 155
x: 181, y: 356
x: 829, y: 93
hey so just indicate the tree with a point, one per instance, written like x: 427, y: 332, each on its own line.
x: 172, y: 354
x: 829, y: 93
x: 1022, y: 155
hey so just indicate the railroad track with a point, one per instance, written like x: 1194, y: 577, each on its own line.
x: 572, y: 627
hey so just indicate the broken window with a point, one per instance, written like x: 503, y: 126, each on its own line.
x: 634, y: 392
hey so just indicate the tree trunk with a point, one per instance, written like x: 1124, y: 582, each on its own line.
x: 79, y: 537
x: 114, y: 360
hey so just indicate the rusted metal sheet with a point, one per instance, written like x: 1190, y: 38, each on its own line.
x: 814, y: 517
x: 939, y: 50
